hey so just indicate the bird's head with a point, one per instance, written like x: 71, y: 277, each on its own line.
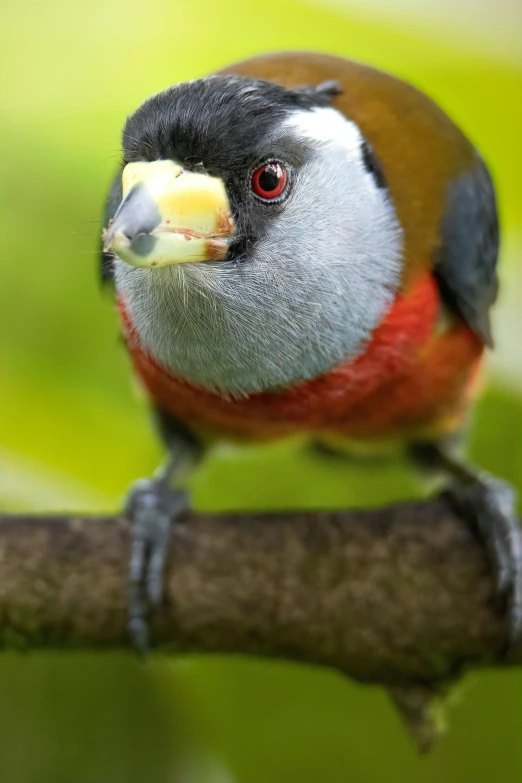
x: 255, y: 241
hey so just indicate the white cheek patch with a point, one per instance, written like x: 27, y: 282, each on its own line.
x: 327, y: 126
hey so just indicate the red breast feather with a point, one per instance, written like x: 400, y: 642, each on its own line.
x: 412, y: 380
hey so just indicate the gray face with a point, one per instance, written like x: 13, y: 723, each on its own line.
x: 309, y: 291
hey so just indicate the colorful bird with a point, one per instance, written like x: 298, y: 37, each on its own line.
x: 304, y: 244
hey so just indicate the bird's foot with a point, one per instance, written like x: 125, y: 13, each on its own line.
x: 490, y: 504
x: 151, y: 506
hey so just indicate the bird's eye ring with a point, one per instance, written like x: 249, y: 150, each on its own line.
x: 269, y: 181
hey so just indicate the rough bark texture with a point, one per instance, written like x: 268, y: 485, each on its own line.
x: 395, y: 595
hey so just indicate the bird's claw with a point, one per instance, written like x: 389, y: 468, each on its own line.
x: 151, y: 506
x: 490, y: 504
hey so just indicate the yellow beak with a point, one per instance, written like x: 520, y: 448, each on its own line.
x: 169, y: 216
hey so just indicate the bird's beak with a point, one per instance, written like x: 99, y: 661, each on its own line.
x: 168, y: 216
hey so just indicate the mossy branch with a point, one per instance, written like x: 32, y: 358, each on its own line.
x: 397, y: 595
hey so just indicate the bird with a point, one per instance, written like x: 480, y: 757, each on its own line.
x: 303, y: 244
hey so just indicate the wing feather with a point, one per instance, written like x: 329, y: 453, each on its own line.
x: 466, y: 262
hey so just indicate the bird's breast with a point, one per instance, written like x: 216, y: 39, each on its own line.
x: 412, y: 376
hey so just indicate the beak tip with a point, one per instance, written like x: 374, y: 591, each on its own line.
x: 106, y: 240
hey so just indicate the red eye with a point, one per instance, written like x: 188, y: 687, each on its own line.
x: 269, y: 180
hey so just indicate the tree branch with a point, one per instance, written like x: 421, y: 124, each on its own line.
x: 394, y: 595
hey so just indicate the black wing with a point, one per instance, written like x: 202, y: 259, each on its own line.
x: 466, y: 263
x: 111, y: 205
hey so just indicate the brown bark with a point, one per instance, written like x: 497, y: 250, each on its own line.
x: 395, y: 595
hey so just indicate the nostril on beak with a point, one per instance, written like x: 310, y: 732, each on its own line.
x: 142, y: 244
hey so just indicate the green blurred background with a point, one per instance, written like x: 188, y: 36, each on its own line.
x: 74, y: 434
